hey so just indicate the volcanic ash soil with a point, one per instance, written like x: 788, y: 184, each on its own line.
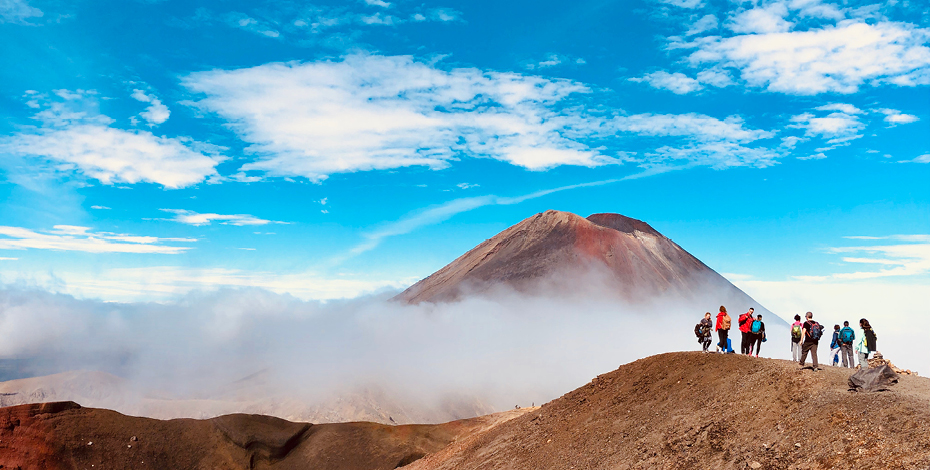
x: 672, y: 411
x: 695, y: 410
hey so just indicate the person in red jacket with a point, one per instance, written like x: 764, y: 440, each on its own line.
x: 745, y: 324
x: 723, y: 329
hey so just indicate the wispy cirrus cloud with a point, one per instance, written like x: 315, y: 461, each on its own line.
x: 17, y: 12
x: 908, y: 256
x: 441, y: 212
x: 686, y: 4
x: 552, y: 60
x: 76, y: 238
x: 338, y: 26
x: 197, y: 219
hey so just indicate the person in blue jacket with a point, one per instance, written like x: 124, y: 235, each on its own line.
x: 835, y: 345
x: 847, y: 336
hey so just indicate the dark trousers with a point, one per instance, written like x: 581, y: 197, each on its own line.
x: 755, y: 339
x: 722, y: 334
x: 846, y: 353
x: 812, y: 347
x: 745, y: 346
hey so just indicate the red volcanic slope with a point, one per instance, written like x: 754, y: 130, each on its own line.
x: 66, y: 436
x: 642, y: 262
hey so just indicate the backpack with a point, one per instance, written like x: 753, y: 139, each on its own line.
x: 698, y: 331
x: 847, y: 336
x: 796, y: 332
x: 870, y: 340
x: 816, y: 331
x: 725, y: 323
x: 756, y: 326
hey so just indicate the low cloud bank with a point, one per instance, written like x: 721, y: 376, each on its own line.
x: 504, y: 348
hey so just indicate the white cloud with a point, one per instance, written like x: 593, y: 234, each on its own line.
x: 677, y: 82
x: 909, y: 257
x: 687, y: 4
x: 697, y: 126
x: 790, y: 141
x: 837, y: 59
x: 74, y: 238
x: 710, y: 141
x: 445, y: 14
x: 253, y: 25
x: 194, y: 218
x: 467, y: 185
x: 166, y: 283
x: 816, y: 156
x: 17, y: 11
x: 838, y: 127
x: 378, y: 3
x: 718, y: 155
x: 681, y: 84
x: 100, y: 207
x: 378, y: 18
x: 706, y: 23
x: 156, y: 113
x: 715, y: 77
x: 112, y: 155
x: 817, y: 9
x: 75, y: 137
x: 893, y: 116
x: 841, y: 107
x: 768, y: 19
x: 552, y: 60
x: 925, y: 158
x: 373, y: 112
x: 8, y: 259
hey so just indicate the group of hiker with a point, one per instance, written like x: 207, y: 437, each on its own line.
x: 752, y: 329
x: 805, y: 338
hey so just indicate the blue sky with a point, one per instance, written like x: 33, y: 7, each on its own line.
x: 325, y: 150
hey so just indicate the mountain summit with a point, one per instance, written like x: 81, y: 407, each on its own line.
x: 633, y: 260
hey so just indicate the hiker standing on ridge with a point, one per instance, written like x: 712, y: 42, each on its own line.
x: 847, y: 336
x: 745, y: 322
x: 866, y: 343
x: 703, y: 331
x: 811, y: 332
x: 835, y: 346
x: 756, y: 335
x: 796, y: 333
x: 723, y: 329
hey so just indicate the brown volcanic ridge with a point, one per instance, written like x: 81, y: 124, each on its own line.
x: 639, y: 262
x: 672, y: 411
